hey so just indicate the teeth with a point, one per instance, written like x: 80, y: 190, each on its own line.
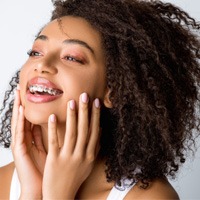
x: 38, y: 88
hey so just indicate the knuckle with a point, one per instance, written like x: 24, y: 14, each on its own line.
x: 84, y: 107
x: 52, y: 160
x: 96, y: 111
x: 71, y: 114
x: 52, y: 126
x: 90, y: 157
x: 53, y: 141
x: 78, y: 157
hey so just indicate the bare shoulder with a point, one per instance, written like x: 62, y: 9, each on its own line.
x: 158, y: 189
x: 6, y: 173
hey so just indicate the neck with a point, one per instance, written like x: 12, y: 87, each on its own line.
x: 101, y: 188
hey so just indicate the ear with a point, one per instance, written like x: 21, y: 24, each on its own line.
x: 106, y: 100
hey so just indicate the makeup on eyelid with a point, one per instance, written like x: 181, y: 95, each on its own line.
x: 69, y: 52
x: 80, y: 57
x: 70, y: 56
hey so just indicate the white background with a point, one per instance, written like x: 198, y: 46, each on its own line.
x: 20, y: 20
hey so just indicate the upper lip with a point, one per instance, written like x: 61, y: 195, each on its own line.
x: 43, y: 82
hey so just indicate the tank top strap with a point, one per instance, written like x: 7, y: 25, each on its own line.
x: 119, y: 192
x: 15, y: 187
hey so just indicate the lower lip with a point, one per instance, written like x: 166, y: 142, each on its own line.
x: 37, y: 98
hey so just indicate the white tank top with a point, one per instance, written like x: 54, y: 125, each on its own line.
x: 15, y: 187
x: 117, y: 192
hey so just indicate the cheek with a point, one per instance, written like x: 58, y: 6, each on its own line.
x: 92, y: 84
x: 97, y: 85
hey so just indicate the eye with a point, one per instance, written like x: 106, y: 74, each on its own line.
x: 33, y: 53
x: 74, y: 59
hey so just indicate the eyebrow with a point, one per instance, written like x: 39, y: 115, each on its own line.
x: 68, y: 41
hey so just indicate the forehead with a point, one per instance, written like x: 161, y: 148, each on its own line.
x: 73, y: 28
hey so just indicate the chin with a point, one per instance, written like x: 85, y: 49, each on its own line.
x: 35, y: 118
x: 40, y: 116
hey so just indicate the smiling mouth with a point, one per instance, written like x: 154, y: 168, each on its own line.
x: 43, y: 90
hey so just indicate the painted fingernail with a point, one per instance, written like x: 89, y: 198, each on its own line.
x: 52, y: 118
x: 84, y: 98
x: 97, y: 103
x: 20, y: 109
x: 72, y: 104
x: 18, y: 87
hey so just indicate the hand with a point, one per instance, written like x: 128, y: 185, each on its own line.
x: 28, y: 152
x: 68, y: 166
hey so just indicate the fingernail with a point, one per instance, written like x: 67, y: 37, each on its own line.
x: 18, y: 87
x: 20, y: 109
x: 52, y: 118
x: 72, y: 104
x: 97, y: 103
x: 84, y: 98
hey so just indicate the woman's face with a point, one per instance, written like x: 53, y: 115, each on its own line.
x: 66, y: 59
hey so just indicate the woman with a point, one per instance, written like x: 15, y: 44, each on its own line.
x: 106, y: 103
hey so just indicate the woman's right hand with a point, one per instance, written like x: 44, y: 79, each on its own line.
x: 28, y: 152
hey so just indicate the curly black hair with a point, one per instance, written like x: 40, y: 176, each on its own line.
x: 153, y: 72
x: 6, y: 112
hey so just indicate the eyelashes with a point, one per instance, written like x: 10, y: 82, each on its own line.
x: 74, y: 59
x: 33, y: 53
x: 70, y: 58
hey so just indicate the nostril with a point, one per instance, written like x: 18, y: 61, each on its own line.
x: 45, y: 69
x: 42, y: 71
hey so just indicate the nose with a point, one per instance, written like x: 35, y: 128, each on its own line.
x: 45, y: 66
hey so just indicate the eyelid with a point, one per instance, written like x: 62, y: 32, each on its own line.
x: 73, y: 58
x: 75, y: 52
x: 33, y: 51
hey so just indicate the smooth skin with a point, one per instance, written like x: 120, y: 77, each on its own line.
x: 77, y: 154
x: 29, y: 158
x: 58, y: 157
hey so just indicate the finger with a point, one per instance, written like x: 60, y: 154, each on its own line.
x: 15, y: 113
x: 71, y: 128
x: 19, y: 132
x: 93, y: 144
x: 53, y: 144
x: 82, y: 124
x: 37, y: 137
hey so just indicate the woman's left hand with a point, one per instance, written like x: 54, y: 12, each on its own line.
x: 68, y: 166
